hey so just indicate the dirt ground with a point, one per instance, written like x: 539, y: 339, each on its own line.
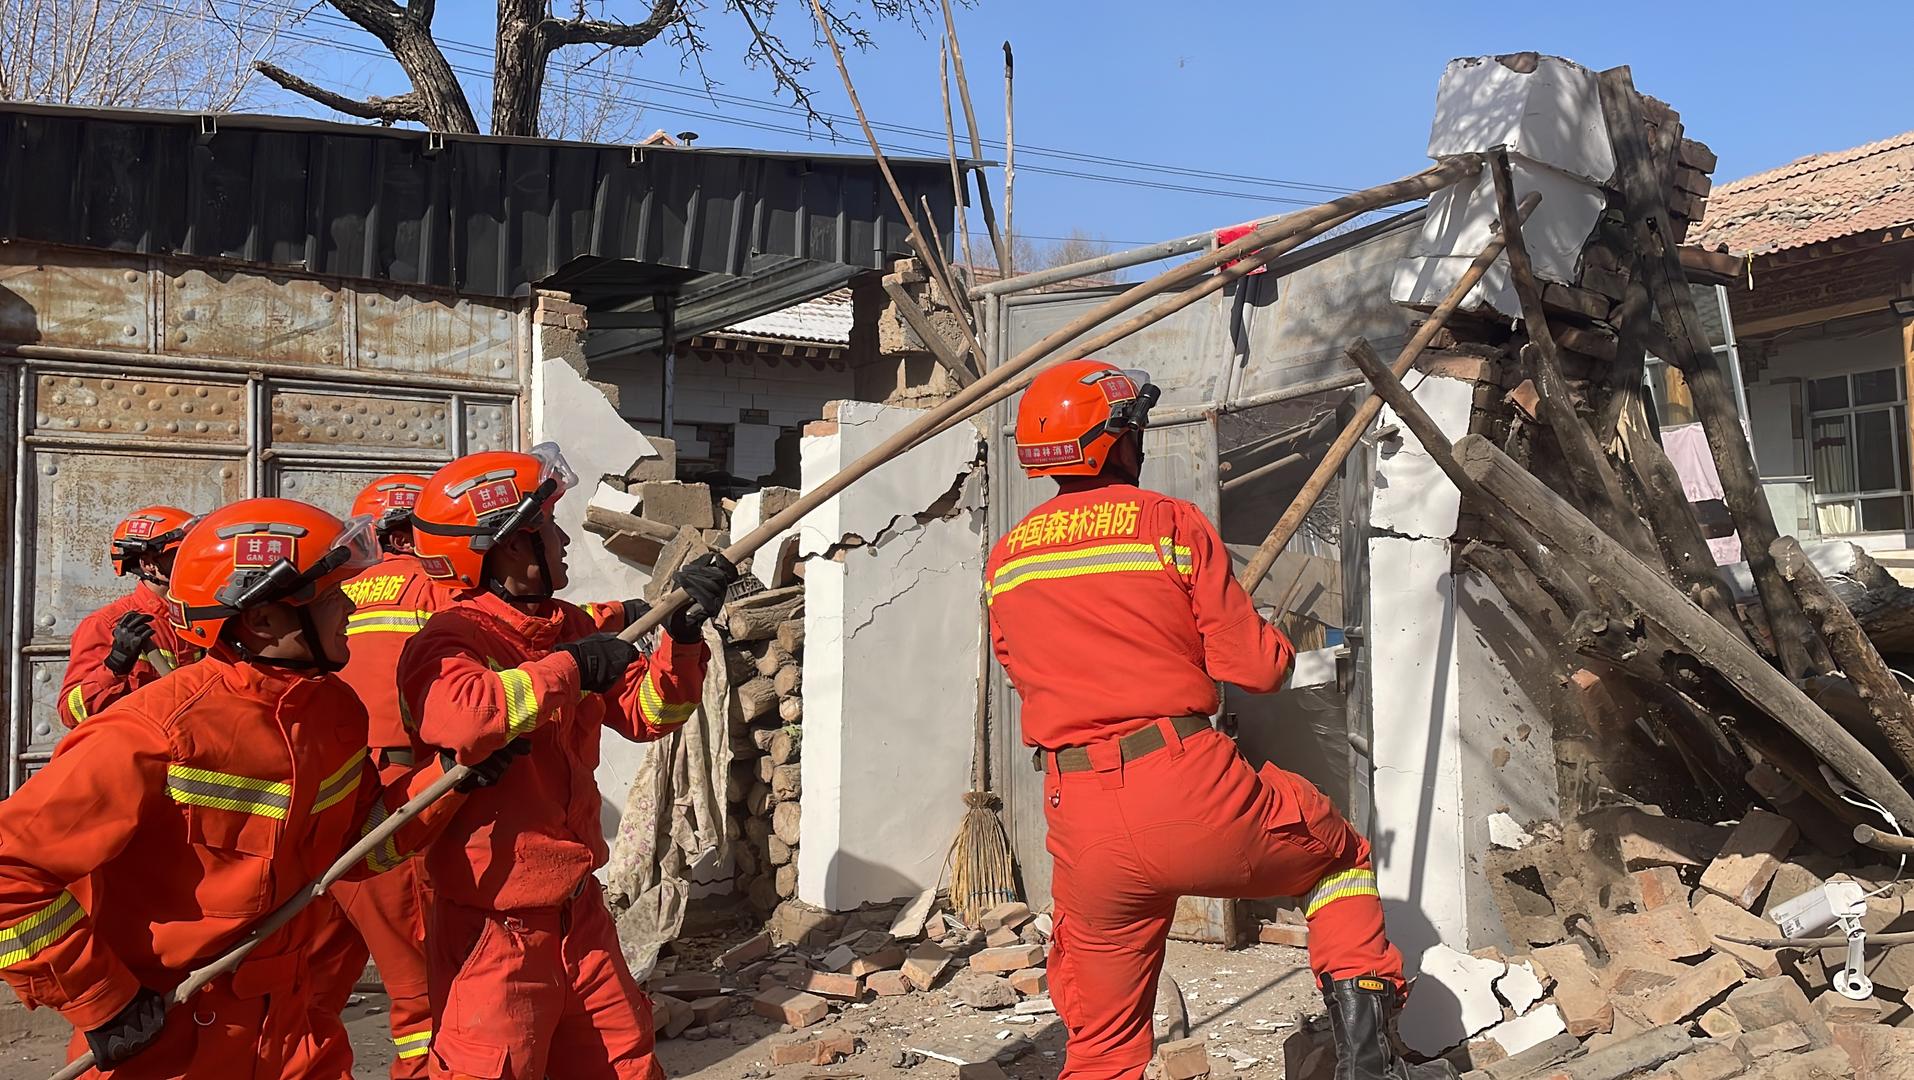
x: 1244, y: 1001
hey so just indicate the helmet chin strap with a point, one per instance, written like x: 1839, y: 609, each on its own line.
x: 314, y: 660
x: 529, y: 599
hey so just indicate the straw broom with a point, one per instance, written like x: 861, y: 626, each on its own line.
x: 982, y: 872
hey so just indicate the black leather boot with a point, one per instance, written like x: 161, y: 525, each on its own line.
x: 1362, y: 1015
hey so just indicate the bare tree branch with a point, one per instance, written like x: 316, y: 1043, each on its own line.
x: 386, y: 110
x: 769, y: 50
x: 380, y: 18
x: 583, y: 31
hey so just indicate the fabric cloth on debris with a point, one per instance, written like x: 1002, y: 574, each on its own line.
x: 519, y: 928
x: 89, y: 685
x: 1112, y: 609
x: 673, y: 822
x: 1687, y: 449
x: 1113, y: 605
x: 167, y: 825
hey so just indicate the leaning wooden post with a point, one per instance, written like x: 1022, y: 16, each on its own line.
x: 1887, y: 703
x: 1658, y: 263
x: 1566, y: 529
x: 1543, y: 563
x: 1331, y: 465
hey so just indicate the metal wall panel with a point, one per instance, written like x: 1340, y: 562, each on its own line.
x: 252, y: 317
x: 43, y: 727
x: 460, y: 338
x: 490, y: 426
x: 166, y: 410
x: 332, y: 485
x: 83, y: 299
x: 1187, y: 354
x: 77, y: 497
x: 383, y: 423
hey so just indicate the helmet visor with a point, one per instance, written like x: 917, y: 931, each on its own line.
x: 552, y: 466
x: 356, y: 547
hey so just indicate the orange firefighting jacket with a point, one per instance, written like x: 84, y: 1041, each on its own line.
x: 171, y: 821
x: 1114, y: 606
x: 394, y: 599
x: 483, y: 673
x: 89, y: 686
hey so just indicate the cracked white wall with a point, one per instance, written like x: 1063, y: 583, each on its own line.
x: 891, y: 638
x: 577, y: 416
x: 1459, y: 725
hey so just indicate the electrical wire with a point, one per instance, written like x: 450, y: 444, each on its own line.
x: 1854, y: 797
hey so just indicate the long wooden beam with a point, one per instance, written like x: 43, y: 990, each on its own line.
x: 1566, y: 529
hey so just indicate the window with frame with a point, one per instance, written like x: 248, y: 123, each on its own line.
x: 1857, y: 430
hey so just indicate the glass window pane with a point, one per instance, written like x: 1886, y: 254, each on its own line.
x: 1833, y: 457
x: 1876, y: 387
x: 1709, y: 308
x: 1829, y: 393
x: 1836, y: 518
x: 1874, y: 446
x: 1884, y: 515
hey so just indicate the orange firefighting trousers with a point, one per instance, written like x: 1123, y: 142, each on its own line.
x: 384, y: 918
x: 1191, y: 819
x: 536, y: 992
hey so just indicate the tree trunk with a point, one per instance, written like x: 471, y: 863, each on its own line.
x: 519, y: 80
x: 441, y: 98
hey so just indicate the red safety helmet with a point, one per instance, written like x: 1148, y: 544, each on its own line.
x: 389, y: 500
x: 262, y: 551
x: 149, y: 531
x: 470, y: 505
x: 1073, y: 413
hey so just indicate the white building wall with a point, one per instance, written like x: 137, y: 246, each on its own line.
x: 708, y: 391
x: 891, y: 641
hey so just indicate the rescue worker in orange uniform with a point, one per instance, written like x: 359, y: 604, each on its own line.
x: 382, y: 917
x: 527, y: 976
x: 174, y: 819
x: 108, y: 658
x: 1113, y: 611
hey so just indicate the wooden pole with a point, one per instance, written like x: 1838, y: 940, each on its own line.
x: 957, y: 186
x: 1658, y: 265
x: 1567, y: 530
x: 1586, y: 465
x: 931, y: 255
x: 1887, y: 703
x: 1331, y: 465
x: 997, y: 238
x: 1891, y: 843
x: 1010, y: 160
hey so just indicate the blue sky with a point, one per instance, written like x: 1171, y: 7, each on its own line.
x: 1336, y: 95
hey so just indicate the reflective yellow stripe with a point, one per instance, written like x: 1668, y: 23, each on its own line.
x: 76, y: 704
x: 1340, y: 886
x: 1176, y: 555
x: 1101, y: 559
x: 521, y: 702
x: 340, y: 784
x: 414, y: 1045
x: 26, y: 938
x: 386, y: 622
x: 658, y: 714
x: 386, y: 855
x: 225, y: 791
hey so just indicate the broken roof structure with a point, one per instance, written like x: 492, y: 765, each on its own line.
x: 1820, y: 198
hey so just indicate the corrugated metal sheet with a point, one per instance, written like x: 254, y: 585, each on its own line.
x: 826, y: 319
x: 473, y: 213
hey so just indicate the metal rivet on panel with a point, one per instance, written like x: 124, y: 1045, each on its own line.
x: 372, y: 301
x: 232, y: 429
x: 132, y: 277
x: 42, y: 729
x: 332, y: 431
x: 181, y: 337
x: 201, y: 426
x: 232, y: 395
x: 414, y: 436
x: 75, y: 381
x: 46, y: 621
x: 59, y: 399
x: 415, y: 410
x: 104, y: 424
x: 372, y: 354
x: 360, y: 408
x: 139, y: 425
x: 129, y: 330
x: 39, y: 418
x: 172, y: 391
x: 50, y: 469
x: 226, y: 473
x: 186, y: 406
x: 139, y: 389
x: 200, y: 392
x: 153, y: 406
x: 219, y: 410
x: 172, y: 425
x: 42, y: 675
x: 126, y: 403
x: 327, y: 351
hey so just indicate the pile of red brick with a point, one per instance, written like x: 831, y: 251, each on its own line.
x: 809, y: 964
x: 1633, y: 974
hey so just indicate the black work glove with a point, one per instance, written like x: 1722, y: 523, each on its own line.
x: 492, y: 769
x: 132, y: 636
x: 635, y: 610
x: 706, y: 578
x: 601, y: 659
x: 133, y: 1030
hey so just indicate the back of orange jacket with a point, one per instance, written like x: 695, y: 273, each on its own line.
x: 170, y: 822
x: 483, y: 673
x: 1113, y: 606
x: 90, y: 685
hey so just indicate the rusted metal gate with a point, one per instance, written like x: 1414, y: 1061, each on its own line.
x: 134, y: 380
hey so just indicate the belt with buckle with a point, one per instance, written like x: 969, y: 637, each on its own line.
x: 1138, y: 743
